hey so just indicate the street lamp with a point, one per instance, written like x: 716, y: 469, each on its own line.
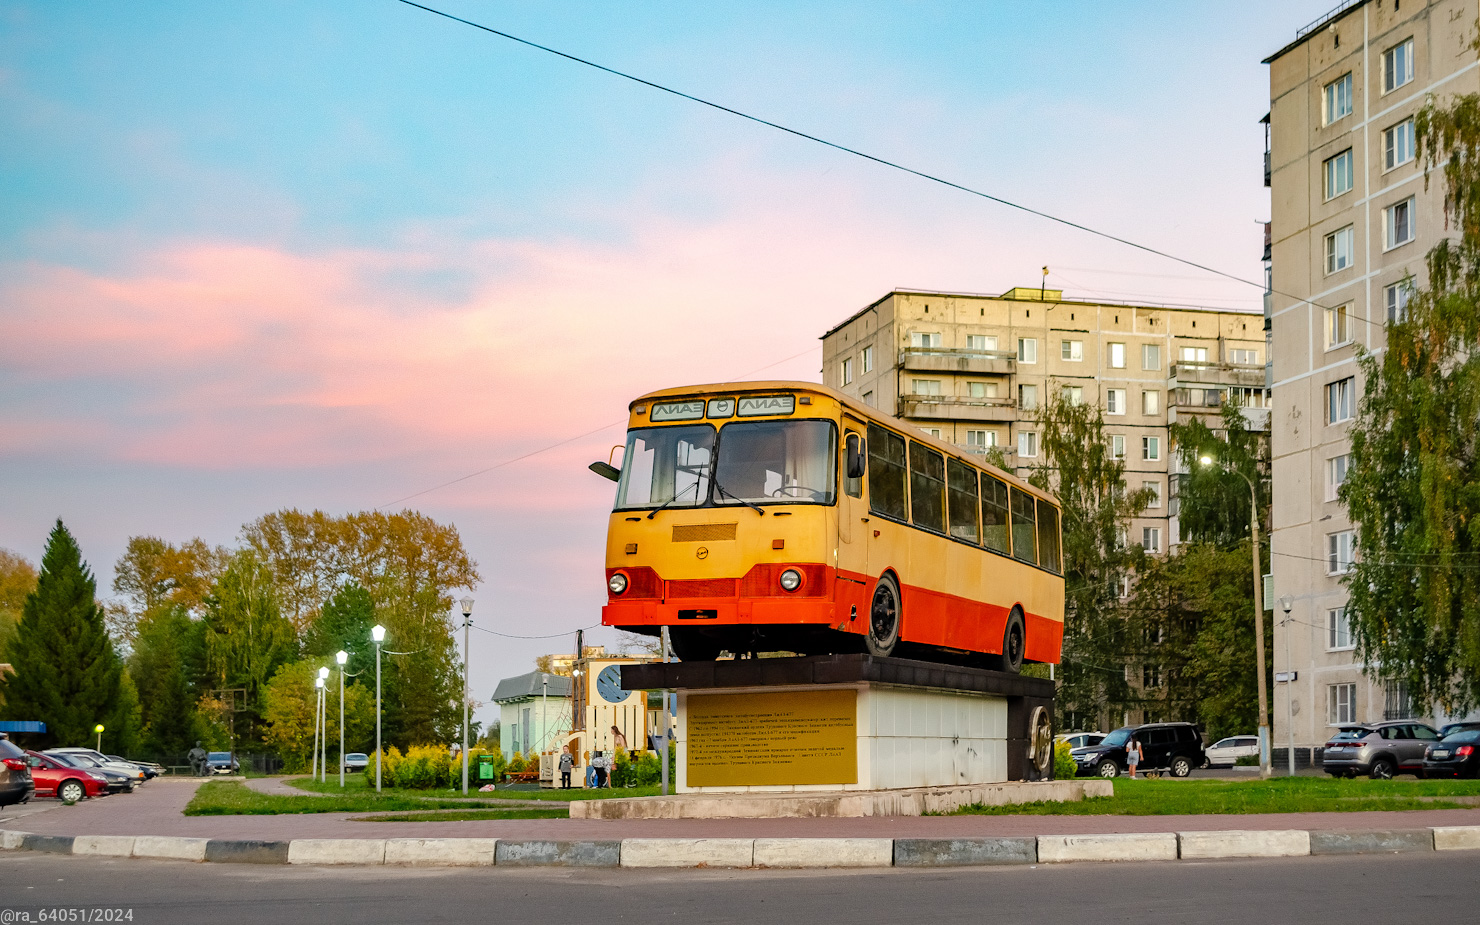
x: 1286, y: 603
x: 318, y: 696
x: 342, y: 657
x: 99, y: 730
x: 467, y: 610
x: 324, y: 723
x: 1264, y: 768
x: 377, y: 634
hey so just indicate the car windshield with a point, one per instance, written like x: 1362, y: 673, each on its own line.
x: 1464, y: 735
x: 776, y: 461
x: 80, y: 761
x: 220, y: 756
x: 1118, y: 738
x: 356, y: 756
x: 1351, y: 735
x: 666, y: 466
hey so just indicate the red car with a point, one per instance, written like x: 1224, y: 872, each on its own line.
x: 54, y: 779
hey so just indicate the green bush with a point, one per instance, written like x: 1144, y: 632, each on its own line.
x: 639, y: 771
x: 1247, y: 761
x: 423, y: 767
x: 1064, y: 767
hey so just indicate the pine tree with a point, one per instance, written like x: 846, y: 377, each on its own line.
x: 67, y: 673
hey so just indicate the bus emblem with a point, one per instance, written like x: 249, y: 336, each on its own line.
x: 702, y: 552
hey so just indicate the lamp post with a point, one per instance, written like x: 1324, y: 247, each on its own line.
x: 1286, y: 603
x: 324, y: 723
x: 318, y: 694
x: 467, y: 609
x: 1264, y: 767
x: 342, y: 657
x: 99, y: 730
x: 377, y: 633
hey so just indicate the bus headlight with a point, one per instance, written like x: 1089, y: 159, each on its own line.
x: 791, y: 579
x: 618, y: 583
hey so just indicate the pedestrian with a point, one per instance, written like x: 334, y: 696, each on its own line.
x: 599, y: 762
x: 567, y: 762
x: 1133, y: 756
x: 618, y: 739
x: 591, y: 770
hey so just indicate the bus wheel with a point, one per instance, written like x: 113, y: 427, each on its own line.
x: 883, y: 619
x: 693, y: 646
x: 1014, y: 642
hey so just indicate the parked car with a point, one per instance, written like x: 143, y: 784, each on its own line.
x: 118, y: 781
x: 1378, y: 750
x: 1225, y: 753
x: 150, y: 769
x: 16, y: 785
x: 1172, y: 747
x: 1080, y: 739
x: 1450, y: 728
x: 103, y: 761
x: 222, y: 763
x: 356, y: 761
x: 1456, y: 755
x: 63, y: 781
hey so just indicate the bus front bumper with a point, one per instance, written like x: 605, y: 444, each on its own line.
x: 725, y: 612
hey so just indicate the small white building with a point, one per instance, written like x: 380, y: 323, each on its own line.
x: 534, y: 712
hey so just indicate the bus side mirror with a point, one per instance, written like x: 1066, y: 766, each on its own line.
x: 857, y: 461
x: 605, y: 470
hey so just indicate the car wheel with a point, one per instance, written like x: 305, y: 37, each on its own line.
x: 1207, y: 765
x: 883, y: 619
x: 1107, y: 769
x: 1382, y: 769
x: 1181, y: 767
x: 71, y: 791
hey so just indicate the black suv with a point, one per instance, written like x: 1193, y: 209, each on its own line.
x: 1173, y: 747
x: 16, y: 785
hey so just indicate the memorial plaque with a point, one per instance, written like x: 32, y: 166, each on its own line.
x: 772, y: 739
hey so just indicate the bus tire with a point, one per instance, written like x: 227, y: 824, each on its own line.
x: 1014, y: 642
x: 691, y: 645
x: 883, y: 619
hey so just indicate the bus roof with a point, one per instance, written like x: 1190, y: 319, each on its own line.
x: 847, y: 401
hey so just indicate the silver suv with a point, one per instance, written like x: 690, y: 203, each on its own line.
x: 1378, y: 750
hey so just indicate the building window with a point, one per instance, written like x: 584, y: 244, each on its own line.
x: 1151, y: 356
x: 981, y: 342
x: 1027, y: 397
x: 1397, y: 145
x: 1340, y: 247
x: 1027, y: 443
x: 847, y: 371
x: 1341, y: 704
x: 1397, y: 66
x: 1338, y: 629
x: 1194, y: 354
x: 932, y: 431
x: 924, y: 341
x: 868, y: 359
x: 1072, y: 350
x: 1117, y: 356
x: 1155, y: 489
x: 1151, y: 448
x: 1336, y: 470
x: 1337, y: 102
x: 1339, y: 400
x: 1151, y: 539
x: 1397, y: 702
x: 981, y: 439
x: 1244, y: 357
x: 1249, y: 396
x: 1027, y: 350
x: 1398, y: 224
x: 1338, y: 327
x: 1150, y: 677
x: 1338, y: 174
x: 925, y: 386
x: 1150, y: 402
x: 1395, y: 297
x: 1115, y: 401
x: 982, y: 389
x: 1117, y: 446
x: 1073, y: 394
x: 1339, y: 552
x: 868, y: 399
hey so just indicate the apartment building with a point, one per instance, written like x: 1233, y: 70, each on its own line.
x: 1350, y: 221
x: 975, y: 370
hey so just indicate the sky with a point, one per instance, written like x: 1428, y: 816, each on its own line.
x: 335, y: 255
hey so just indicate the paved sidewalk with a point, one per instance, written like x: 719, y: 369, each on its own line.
x: 155, y: 809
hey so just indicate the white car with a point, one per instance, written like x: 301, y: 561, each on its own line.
x: 1080, y: 739
x: 1225, y: 753
x: 103, y: 761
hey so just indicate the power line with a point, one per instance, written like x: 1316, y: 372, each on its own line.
x: 548, y: 636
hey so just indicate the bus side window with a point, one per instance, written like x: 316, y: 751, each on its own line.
x: 886, y: 473
x: 854, y: 461
x: 961, y: 501
x: 1048, y: 536
x: 994, y: 515
x: 927, y: 488
x: 1023, y: 528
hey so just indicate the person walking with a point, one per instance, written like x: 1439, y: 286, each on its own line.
x: 1133, y: 756
x: 567, y: 763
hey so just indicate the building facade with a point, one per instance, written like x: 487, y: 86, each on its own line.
x: 1351, y: 220
x: 975, y: 370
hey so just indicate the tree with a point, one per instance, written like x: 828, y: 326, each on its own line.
x: 67, y: 673
x: 344, y: 625
x: 153, y: 574
x: 17, y: 580
x: 1096, y: 511
x: 168, y: 666
x: 1413, y: 489
x: 290, y: 702
x: 1213, y: 500
x: 247, y: 637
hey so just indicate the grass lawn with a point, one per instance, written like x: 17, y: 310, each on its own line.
x: 1278, y: 795
x: 232, y: 798
x: 363, y: 784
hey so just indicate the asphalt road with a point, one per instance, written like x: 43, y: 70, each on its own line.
x: 1406, y: 888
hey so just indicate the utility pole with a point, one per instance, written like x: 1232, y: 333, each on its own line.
x: 467, y: 611
x: 667, y: 718
x: 1285, y: 604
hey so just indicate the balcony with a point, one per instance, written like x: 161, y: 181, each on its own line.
x: 973, y: 362
x: 1207, y: 373
x: 953, y: 408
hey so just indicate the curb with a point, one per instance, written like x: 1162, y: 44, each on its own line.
x: 754, y: 853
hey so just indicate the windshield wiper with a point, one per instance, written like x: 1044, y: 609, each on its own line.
x: 756, y: 507
x: 654, y: 512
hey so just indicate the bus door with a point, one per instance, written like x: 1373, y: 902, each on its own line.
x: 853, y: 527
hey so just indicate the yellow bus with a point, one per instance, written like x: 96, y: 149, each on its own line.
x: 786, y: 516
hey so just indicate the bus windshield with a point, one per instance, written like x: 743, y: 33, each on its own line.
x: 666, y: 466
x: 793, y: 461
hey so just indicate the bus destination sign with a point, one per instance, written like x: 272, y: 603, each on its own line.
x: 677, y: 411
x: 767, y: 404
